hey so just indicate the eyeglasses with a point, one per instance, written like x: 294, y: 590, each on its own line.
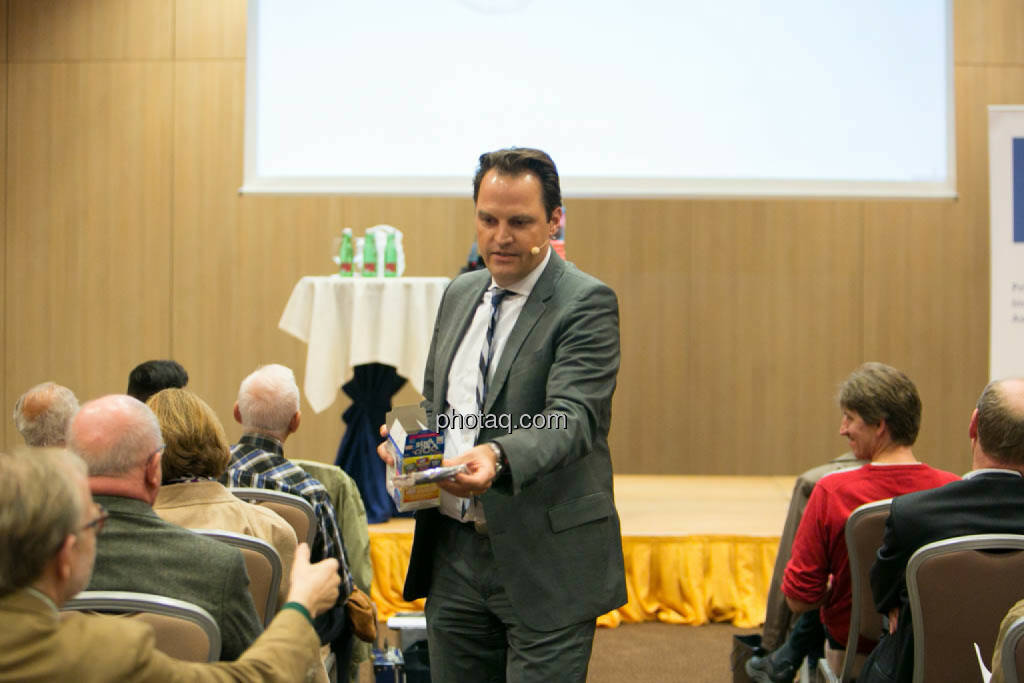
x: 100, y: 520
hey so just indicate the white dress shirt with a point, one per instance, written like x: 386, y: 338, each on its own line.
x: 463, y: 374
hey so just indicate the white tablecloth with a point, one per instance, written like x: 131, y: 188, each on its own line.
x: 351, y: 321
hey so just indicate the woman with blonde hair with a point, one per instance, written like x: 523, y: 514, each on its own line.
x: 196, y: 453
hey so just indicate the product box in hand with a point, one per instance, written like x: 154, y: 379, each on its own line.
x: 415, y: 448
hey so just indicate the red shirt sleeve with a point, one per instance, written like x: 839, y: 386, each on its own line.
x: 806, y: 575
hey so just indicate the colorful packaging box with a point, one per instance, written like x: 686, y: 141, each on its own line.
x: 414, y: 448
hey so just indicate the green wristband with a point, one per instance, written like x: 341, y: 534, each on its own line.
x: 300, y: 608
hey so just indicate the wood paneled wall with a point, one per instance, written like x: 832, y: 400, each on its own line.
x: 125, y: 239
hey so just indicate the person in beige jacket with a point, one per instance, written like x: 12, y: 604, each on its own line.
x: 196, y: 453
x: 48, y: 528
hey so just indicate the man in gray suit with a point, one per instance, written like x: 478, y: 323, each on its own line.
x: 119, y: 439
x: 524, y: 551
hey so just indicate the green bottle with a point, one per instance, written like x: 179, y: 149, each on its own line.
x: 370, y: 255
x: 345, y: 253
x: 390, y: 257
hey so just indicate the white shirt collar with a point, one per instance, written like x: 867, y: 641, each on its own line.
x: 525, y: 286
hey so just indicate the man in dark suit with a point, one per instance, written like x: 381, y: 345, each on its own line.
x: 119, y: 439
x: 989, y: 499
x: 524, y: 551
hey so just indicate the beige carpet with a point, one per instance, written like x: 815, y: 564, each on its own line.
x: 654, y: 652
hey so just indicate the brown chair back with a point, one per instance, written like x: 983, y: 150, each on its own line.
x: 960, y: 589
x: 864, y: 530
x: 263, y: 565
x: 295, y: 510
x: 183, y: 630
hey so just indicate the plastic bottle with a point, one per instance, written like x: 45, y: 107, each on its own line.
x: 390, y: 256
x: 370, y: 255
x: 345, y: 253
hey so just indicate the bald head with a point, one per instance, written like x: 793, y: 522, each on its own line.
x: 1000, y: 421
x: 115, y: 435
x: 43, y: 412
x: 268, y: 401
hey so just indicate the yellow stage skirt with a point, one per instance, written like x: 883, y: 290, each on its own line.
x: 676, y: 580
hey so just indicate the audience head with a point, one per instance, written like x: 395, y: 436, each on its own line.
x: 48, y: 523
x: 878, y: 392
x: 997, y: 425
x: 155, y: 375
x: 268, y: 402
x: 195, y: 444
x: 43, y: 412
x: 117, y: 436
x: 516, y: 161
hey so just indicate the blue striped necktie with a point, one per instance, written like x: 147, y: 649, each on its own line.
x: 487, y: 350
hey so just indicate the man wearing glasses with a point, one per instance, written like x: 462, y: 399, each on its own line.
x: 48, y: 530
x: 119, y: 439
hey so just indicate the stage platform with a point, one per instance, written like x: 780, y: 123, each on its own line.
x: 697, y: 549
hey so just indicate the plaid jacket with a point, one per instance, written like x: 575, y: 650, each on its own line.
x: 259, y: 462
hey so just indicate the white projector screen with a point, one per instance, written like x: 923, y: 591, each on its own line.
x: 646, y: 99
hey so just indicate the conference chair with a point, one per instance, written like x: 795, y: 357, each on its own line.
x: 1013, y: 652
x: 865, y: 528
x: 294, y: 509
x: 183, y: 630
x: 263, y: 565
x: 960, y: 589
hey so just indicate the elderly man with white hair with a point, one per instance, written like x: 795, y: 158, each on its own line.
x: 42, y: 414
x: 268, y: 410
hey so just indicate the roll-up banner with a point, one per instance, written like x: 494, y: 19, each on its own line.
x: 1006, y: 188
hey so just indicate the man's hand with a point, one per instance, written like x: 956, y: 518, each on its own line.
x: 382, y: 449
x: 481, y: 468
x: 314, y: 586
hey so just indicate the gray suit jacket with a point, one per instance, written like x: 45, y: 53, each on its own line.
x: 138, y: 551
x: 553, y: 524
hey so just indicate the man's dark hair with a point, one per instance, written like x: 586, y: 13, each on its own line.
x: 877, y: 392
x: 1001, y: 425
x: 516, y: 161
x: 155, y: 375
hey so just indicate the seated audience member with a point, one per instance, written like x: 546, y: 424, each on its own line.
x: 49, y: 525
x: 881, y: 416
x: 268, y: 410
x: 155, y: 375
x: 43, y: 412
x: 196, y: 453
x: 806, y: 636
x: 989, y: 500
x: 119, y: 439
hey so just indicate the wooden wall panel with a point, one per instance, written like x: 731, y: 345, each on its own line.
x: 777, y: 311
x: 207, y: 278
x: 988, y: 32
x: 642, y: 250
x: 88, y: 196
x: 3, y: 35
x: 73, y: 30
x: 209, y: 29
x: 925, y: 312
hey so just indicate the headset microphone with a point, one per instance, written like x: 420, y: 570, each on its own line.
x: 535, y: 250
